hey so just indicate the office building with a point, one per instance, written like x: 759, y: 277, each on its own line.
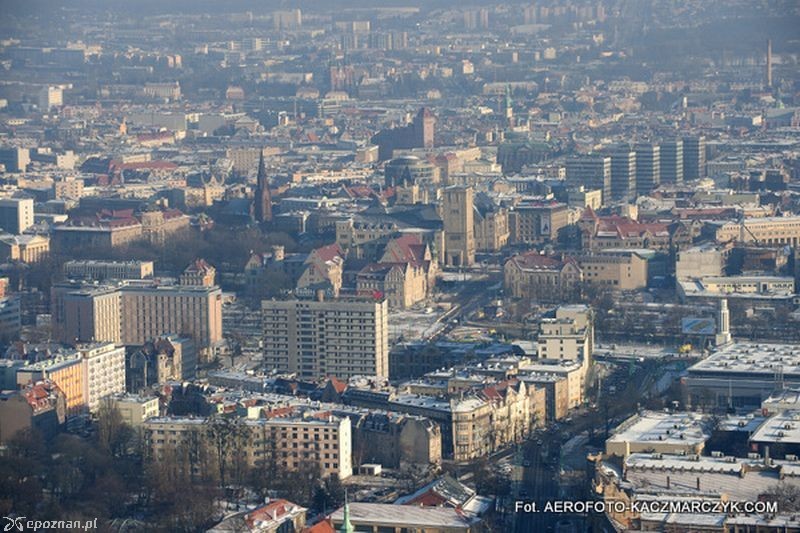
x: 16, y: 214
x: 491, y: 225
x: 694, y: 157
x: 340, y: 338
x: 459, y: 229
x: 591, y: 171
x: 672, y: 161
x: 648, y: 167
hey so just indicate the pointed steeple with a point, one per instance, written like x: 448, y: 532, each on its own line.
x: 346, y: 526
x: 262, y: 171
x: 263, y: 200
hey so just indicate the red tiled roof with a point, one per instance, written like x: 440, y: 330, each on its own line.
x: 338, y: 385
x: 625, y: 227
x: 428, y: 499
x: 320, y: 527
x: 408, y: 249
x: 273, y: 511
x: 536, y: 260
x: 329, y: 252
x: 279, y: 412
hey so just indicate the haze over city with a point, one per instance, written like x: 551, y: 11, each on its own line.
x: 442, y: 267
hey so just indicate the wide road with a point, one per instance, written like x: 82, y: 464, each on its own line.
x: 540, y: 483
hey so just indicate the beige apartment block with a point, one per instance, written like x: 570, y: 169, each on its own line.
x: 150, y: 311
x: 341, y: 338
x: 289, y: 442
x: 567, y: 336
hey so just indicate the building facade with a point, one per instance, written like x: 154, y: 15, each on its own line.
x: 341, y: 338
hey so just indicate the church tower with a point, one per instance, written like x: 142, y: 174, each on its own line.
x: 262, y: 201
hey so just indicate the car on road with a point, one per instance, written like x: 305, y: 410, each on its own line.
x: 526, y: 463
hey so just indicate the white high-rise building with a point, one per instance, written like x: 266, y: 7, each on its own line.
x: 104, y: 372
x: 50, y: 97
x: 723, y: 336
x: 16, y: 214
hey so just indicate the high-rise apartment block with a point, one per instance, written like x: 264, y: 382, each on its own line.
x: 623, y: 172
x: 648, y: 167
x: 16, y: 214
x: 313, y: 338
x: 694, y: 157
x: 104, y: 367
x: 672, y: 161
x: 591, y: 171
x: 132, y: 314
x: 459, y: 229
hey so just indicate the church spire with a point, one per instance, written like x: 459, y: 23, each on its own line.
x: 346, y: 526
x: 263, y: 200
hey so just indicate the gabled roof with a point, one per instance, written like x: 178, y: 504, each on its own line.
x: 328, y: 252
x: 407, y: 249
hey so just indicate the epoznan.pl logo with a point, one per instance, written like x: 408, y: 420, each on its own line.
x: 15, y: 524
x: 19, y: 523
